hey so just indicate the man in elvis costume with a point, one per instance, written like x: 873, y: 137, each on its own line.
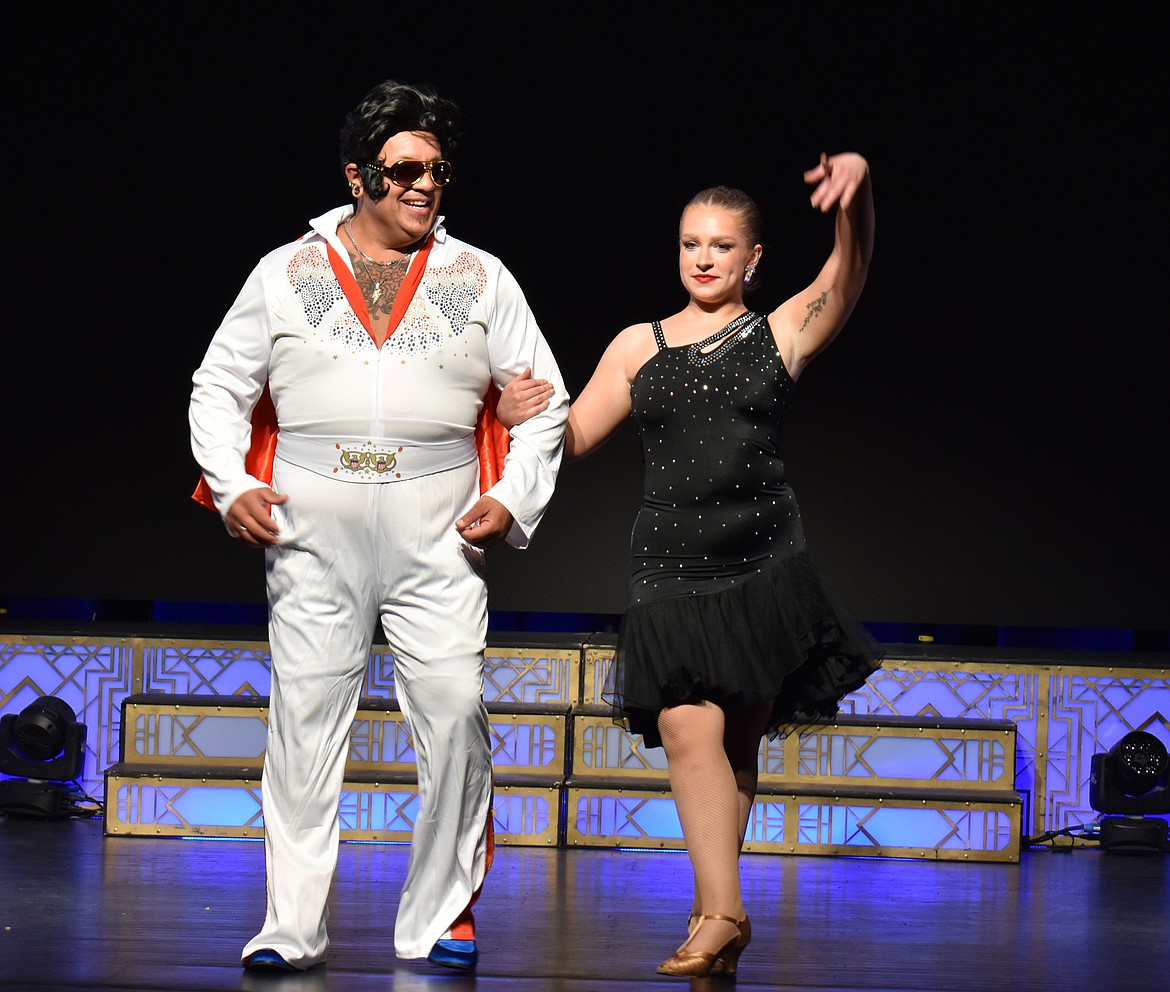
x: 379, y: 507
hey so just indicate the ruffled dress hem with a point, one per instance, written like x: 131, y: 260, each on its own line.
x: 778, y: 635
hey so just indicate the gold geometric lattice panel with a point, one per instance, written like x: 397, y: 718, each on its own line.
x: 527, y: 815
x: 527, y: 675
x: 533, y: 675
x: 199, y: 731
x: 529, y: 743
x: 978, y: 755
x: 601, y: 747
x: 520, y: 743
x: 210, y: 736
x: 207, y: 668
x: 635, y: 818
x: 598, y: 671
x: 91, y: 675
x: 893, y: 755
x: 964, y: 690
x: 1087, y: 713
x: 934, y: 829
x: 162, y: 806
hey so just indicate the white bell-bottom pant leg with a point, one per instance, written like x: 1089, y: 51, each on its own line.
x: 323, y: 604
x: 435, y: 619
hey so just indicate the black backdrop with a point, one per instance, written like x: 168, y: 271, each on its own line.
x: 986, y: 443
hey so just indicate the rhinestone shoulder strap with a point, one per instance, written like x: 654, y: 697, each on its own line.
x: 659, y: 337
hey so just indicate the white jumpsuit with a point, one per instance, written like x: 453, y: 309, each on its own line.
x: 376, y: 453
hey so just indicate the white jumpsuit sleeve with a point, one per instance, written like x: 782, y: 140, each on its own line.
x: 534, y: 455
x: 226, y: 388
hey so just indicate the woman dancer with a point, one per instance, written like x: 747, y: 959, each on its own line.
x: 728, y: 632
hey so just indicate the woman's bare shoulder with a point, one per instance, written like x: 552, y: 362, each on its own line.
x: 635, y: 332
x: 632, y: 348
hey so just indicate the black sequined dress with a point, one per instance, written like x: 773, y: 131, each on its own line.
x: 724, y: 602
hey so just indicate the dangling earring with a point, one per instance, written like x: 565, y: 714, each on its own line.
x: 748, y: 273
x: 355, y: 189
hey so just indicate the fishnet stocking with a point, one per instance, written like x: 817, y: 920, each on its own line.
x: 743, y: 729
x: 741, y: 741
x: 707, y: 797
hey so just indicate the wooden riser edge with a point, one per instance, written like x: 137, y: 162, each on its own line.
x: 380, y: 705
x: 554, y: 777
x: 377, y: 705
x: 878, y: 792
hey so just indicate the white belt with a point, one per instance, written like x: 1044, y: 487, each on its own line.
x: 372, y: 459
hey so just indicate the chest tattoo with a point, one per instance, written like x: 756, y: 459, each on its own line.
x: 379, y: 283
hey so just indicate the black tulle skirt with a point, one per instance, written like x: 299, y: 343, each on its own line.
x: 776, y: 636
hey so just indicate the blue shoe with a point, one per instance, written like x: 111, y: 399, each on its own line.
x: 266, y: 959
x: 459, y: 954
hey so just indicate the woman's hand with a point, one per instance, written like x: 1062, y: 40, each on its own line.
x: 838, y: 178
x: 522, y: 398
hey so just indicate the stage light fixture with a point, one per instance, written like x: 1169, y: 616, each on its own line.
x: 43, y: 748
x: 1132, y: 781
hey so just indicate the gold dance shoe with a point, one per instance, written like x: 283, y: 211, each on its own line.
x: 699, y: 964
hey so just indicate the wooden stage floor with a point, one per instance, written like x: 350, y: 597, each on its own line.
x: 79, y: 911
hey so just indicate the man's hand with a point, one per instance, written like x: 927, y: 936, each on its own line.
x: 485, y: 524
x: 249, y: 519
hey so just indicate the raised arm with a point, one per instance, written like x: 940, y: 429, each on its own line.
x: 805, y: 324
